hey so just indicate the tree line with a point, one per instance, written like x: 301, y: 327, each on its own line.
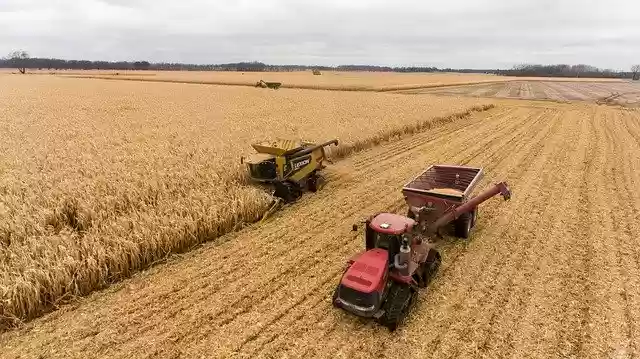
x: 563, y: 70
x: 22, y: 61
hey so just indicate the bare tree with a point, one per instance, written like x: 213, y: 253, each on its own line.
x: 635, y: 69
x: 18, y: 59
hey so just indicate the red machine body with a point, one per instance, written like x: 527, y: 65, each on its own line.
x: 366, y: 273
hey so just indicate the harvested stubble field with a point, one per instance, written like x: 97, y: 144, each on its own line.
x: 554, y: 273
x: 547, y: 90
x: 101, y: 178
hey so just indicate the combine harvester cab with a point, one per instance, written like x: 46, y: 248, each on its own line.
x: 400, y: 252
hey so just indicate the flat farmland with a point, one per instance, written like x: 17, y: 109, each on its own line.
x: 101, y: 178
x: 554, y: 273
x: 547, y: 90
x: 328, y: 80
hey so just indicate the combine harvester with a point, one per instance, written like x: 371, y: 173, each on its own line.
x: 290, y: 166
x: 271, y: 85
x: 400, y: 257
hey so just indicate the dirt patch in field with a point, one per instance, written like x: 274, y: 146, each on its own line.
x: 562, y: 91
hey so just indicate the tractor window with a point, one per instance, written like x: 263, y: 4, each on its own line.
x: 263, y: 170
x: 386, y: 241
x: 357, y: 298
x: 390, y: 242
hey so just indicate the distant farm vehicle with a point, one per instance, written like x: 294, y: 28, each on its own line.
x: 609, y: 100
x: 382, y: 283
x: 290, y: 166
x: 271, y: 85
x: 317, y: 72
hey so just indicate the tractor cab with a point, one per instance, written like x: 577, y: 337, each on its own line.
x: 387, y: 231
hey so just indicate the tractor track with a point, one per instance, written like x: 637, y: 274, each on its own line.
x: 559, y: 91
x: 503, y: 253
x: 553, y: 273
x: 623, y: 213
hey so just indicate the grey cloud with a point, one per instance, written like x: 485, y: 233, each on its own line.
x: 455, y: 33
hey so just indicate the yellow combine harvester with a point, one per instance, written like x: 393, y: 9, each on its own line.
x: 291, y: 166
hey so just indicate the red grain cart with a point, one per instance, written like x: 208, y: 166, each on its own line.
x: 438, y: 190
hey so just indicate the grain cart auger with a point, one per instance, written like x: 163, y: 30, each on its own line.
x: 290, y: 166
x: 400, y: 256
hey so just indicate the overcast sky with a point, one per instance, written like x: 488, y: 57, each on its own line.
x: 452, y: 33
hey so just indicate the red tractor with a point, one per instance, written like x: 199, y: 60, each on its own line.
x: 400, y: 256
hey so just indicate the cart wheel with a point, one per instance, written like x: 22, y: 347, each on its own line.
x: 463, y: 225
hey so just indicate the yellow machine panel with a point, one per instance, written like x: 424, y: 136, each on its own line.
x: 278, y: 147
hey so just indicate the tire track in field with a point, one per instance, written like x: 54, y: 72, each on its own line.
x: 398, y: 151
x: 605, y: 255
x: 490, y: 311
x: 586, y: 262
x: 619, y: 144
x: 538, y: 91
x: 631, y: 228
x: 551, y: 305
x: 631, y: 125
x: 627, y: 226
x: 608, y: 331
x: 449, y: 331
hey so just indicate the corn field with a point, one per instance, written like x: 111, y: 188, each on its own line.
x: 99, y: 179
